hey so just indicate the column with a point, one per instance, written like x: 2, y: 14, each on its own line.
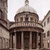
x: 22, y: 42
x: 41, y: 40
x: 15, y: 41
x: 30, y: 40
x: 37, y: 40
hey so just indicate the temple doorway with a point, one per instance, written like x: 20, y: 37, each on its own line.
x: 26, y: 40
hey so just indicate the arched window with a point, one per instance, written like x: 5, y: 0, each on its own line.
x: 21, y: 19
x: 31, y: 19
x: 26, y: 19
x: 17, y: 19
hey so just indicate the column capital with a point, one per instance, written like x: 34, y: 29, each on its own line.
x: 38, y: 32
x: 14, y: 31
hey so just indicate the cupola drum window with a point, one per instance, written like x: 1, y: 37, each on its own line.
x: 21, y: 19
x: 26, y: 19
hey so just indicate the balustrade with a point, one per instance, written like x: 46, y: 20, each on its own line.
x: 28, y: 24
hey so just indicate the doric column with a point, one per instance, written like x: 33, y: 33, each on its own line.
x: 22, y: 42
x: 41, y: 40
x: 15, y: 40
x: 30, y: 40
x: 37, y: 40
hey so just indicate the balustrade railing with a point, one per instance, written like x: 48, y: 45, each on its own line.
x: 26, y: 24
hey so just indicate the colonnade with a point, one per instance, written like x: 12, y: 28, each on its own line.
x: 31, y: 45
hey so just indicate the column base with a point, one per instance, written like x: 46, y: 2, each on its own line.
x: 14, y: 49
x: 10, y: 48
x: 37, y: 49
x: 17, y: 49
x: 24, y: 49
x: 33, y: 49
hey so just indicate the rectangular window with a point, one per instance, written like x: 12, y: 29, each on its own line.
x: 48, y: 20
x: 0, y: 13
x: 43, y: 44
x: 44, y: 23
x: 31, y: 19
x: 21, y: 19
x: 48, y: 45
x: 17, y: 19
x: 26, y: 19
x: 48, y: 33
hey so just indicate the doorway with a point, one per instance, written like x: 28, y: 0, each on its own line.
x: 26, y: 40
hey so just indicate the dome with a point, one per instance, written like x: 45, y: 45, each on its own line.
x: 26, y: 8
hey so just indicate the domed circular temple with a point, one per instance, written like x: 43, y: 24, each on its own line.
x: 26, y: 32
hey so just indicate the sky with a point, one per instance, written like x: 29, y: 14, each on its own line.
x: 41, y: 6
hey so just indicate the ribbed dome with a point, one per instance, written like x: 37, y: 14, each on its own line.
x: 26, y: 8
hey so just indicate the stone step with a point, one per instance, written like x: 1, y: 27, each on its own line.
x: 24, y: 49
